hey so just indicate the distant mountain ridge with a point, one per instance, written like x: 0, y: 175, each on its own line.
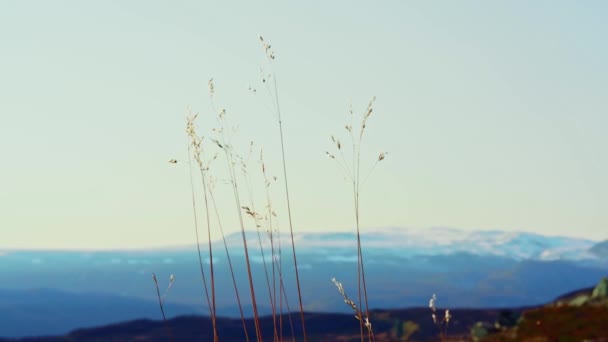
x: 465, y: 269
x: 433, y: 241
x: 406, y: 242
x: 600, y: 249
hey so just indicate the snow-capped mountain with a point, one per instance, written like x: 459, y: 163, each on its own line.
x: 407, y: 242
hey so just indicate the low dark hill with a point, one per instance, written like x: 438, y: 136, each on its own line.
x: 416, y: 322
x: 578, y: 315
x: 51, y: 312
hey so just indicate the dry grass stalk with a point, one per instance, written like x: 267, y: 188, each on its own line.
x: 259, y: 220
x: 349, y: 302
x: 268, y: 218
x: 223, y: 142
x: 161, y: 300
x: 274, y: 93
x: 195, y: 149
x: 236, y: 290
x: 352, y: 171
x: 276, y: 250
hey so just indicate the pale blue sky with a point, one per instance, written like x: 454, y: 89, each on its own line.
x: 494, y: 113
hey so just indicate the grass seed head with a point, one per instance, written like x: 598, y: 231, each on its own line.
x: 267, y: 48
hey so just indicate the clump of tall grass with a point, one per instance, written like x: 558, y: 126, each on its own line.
x: 203, y: 152
x: 198, y: 158
x: 352, y: 171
